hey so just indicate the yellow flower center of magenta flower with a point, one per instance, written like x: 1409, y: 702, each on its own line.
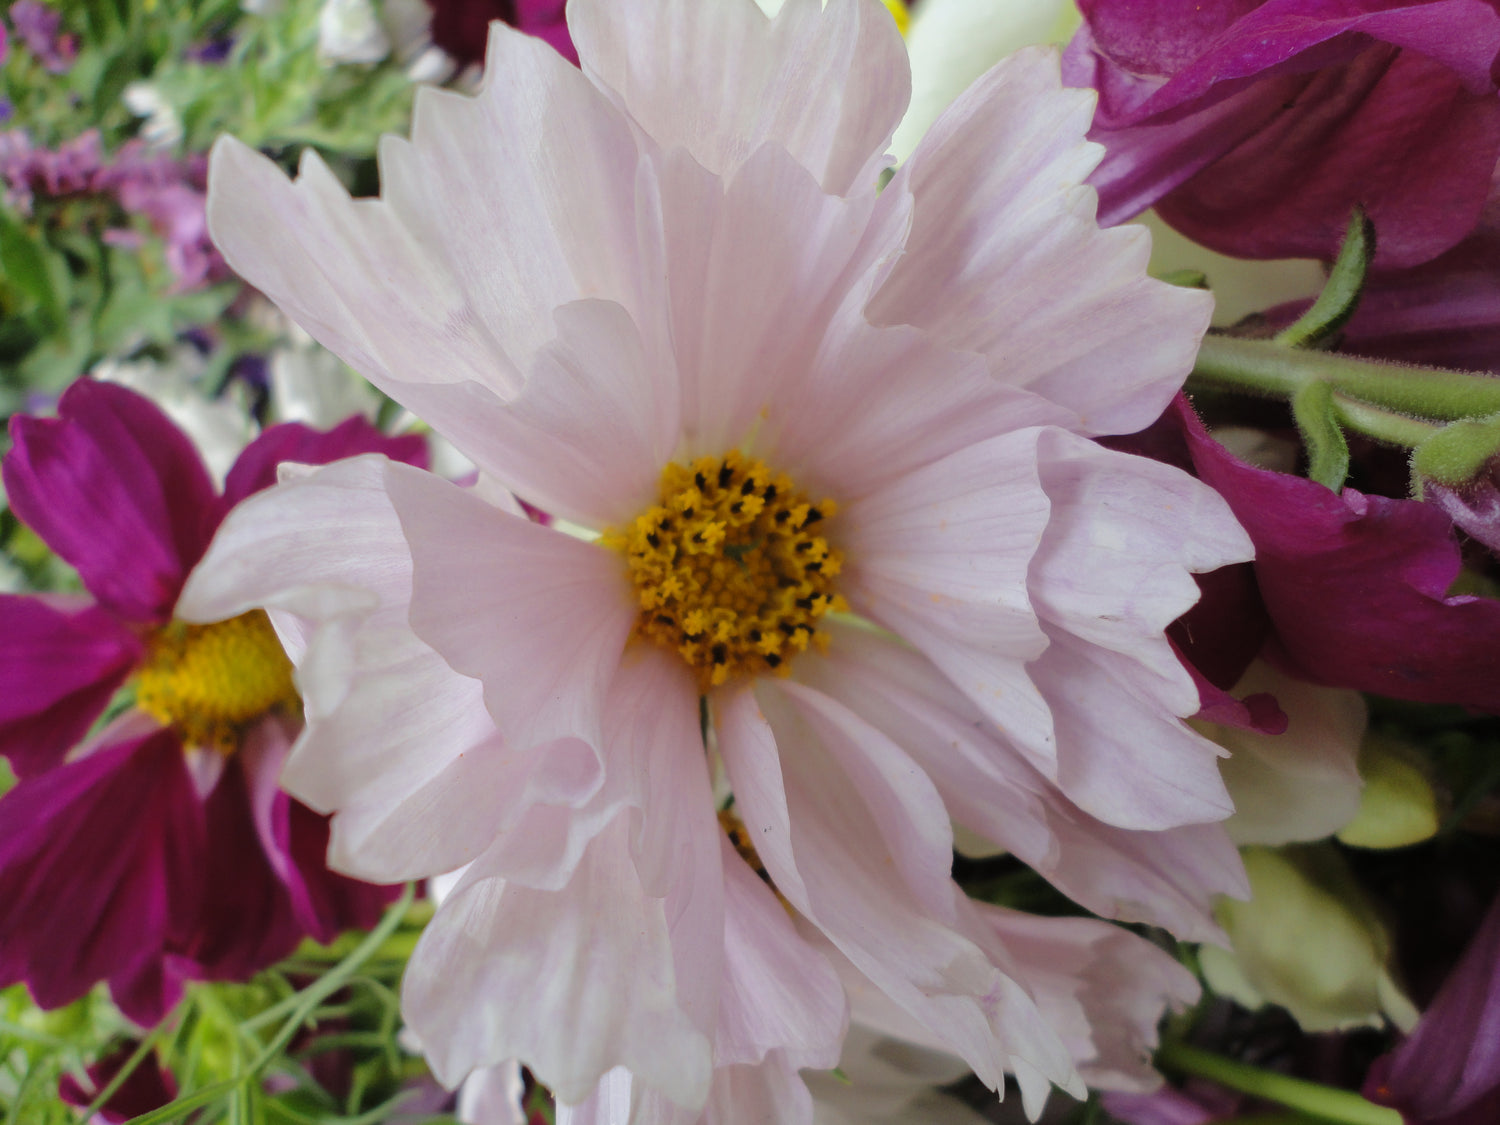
x: 903, y: 17
x: 208, y: 681
x: 731, y: 568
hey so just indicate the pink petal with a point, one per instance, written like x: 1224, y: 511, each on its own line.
x: 537, y: 617
x: 117, y: 491
x: 1167, y: 878
x: 940, y: 557
x: 877, y: 403
x: 1121, y: 757
x: 585, y: 983
x: 721, y: 81
x: 780, y: 994
x: 824, y: 852
x: 60, y: 666
x: 757, y: 265
x: 394, y: 734
x: 1104, y: 988
x: 588, y: 435
x: 1114, y: 568
x: 913, y: 820
x: 986, y: 182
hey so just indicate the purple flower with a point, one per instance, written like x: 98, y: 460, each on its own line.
x: 148, y: 1087
x: 461, y: 27
x: 1254, y: 127
x: 1351, y: 589
x: 1447, y: 1072
x: 160, y: 849
x: 39, y: 27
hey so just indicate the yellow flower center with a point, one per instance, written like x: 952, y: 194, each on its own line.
x: 208, y: 681
x: 903, y: 17
x: 730, y: 568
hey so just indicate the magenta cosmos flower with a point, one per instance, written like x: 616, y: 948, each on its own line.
x: 157, y: 849
x: 834, y: 559
x: 461, y: 27
x: 1255, y: 126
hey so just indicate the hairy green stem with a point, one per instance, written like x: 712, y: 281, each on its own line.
x: 1383, y: 425
x: 1267, y: 368
x: 1323, y: 1102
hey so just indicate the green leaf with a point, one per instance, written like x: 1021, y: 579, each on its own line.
x: 1185, y: 279
x: 1342, y: 291
x: 1327, y: 451
x: 24, y: 264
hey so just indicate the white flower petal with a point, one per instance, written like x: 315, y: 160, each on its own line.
x: 1114, y: 565
x: 1005, y: 257
x: 571, y: 983
x: 1103, y: 988
x: 720, y: 80
x: 1120, y: 756
x: 539, y: 618
x: 825, y: 854
x: 780, y: 994
x: 940, y: 558
x: 1165, y: 878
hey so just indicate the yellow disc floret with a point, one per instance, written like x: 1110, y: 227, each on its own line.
x: 731, y: 568
x: 899, y: 11
x: 208, y: 681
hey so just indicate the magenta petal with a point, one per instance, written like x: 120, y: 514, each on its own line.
x: 58, y: 670
x: 1451, y: 1061
x: 1356, y: 585
x: 247, y: 922
x: 148, y: 1087
x: 117, y: 491
x: 255, y: 468
x: 100, y: 862
x: 294, y: 841
x: 1255, y: 127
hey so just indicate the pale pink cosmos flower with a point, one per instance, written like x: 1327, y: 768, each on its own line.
x: 858, y: 562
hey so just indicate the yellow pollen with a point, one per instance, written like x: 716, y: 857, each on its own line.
x: 730, y: 568
x: 208, y: 681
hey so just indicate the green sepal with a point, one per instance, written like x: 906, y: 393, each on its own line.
x: 1341, y: 292
x: 1458, y: 452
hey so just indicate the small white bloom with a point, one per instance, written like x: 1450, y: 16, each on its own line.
x: 163, y: 127
x: 349, y: 31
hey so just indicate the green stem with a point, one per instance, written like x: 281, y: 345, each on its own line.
x: 321, y: 989
x: 1338, y: 1106
x: 308, y: 1001
x: 1383, y: 425
x: 1265, y: 367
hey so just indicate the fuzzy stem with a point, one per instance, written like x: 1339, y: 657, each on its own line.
x: 1336, y: 1106
x: 1267, y: 368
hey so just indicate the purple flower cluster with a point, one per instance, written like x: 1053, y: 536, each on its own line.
x: 165, y: 191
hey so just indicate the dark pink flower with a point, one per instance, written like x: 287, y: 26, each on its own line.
x: 461, y: 27
x: 1447, y: 1072
x: 148, y: 1087
x: 1254, y: 126
x: 1352, y: 588
x: 161, y: 849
